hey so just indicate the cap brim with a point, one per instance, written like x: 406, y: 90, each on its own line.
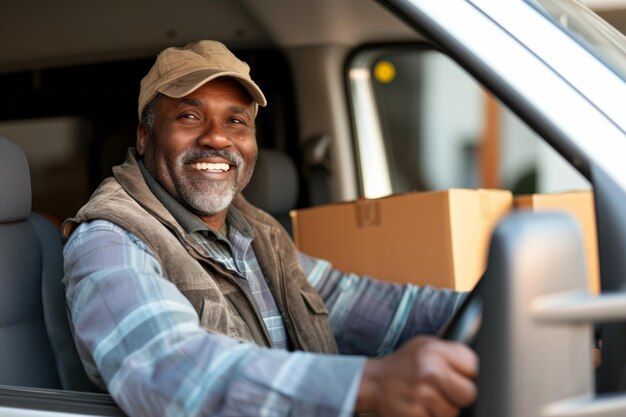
x: 191, y: 82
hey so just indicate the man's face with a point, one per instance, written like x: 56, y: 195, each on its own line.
x: 203, y: 147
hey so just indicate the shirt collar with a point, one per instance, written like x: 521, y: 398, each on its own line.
x: 189, y: 221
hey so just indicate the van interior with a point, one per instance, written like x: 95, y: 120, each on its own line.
x: 70, y: 73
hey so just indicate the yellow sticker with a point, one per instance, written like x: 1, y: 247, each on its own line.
x: 385, y: 72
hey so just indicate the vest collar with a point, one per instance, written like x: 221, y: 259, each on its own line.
x: 143, y: 187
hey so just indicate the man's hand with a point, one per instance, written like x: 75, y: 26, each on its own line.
x: 425, y: 377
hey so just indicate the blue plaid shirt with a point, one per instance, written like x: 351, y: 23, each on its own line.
x: 142, y: 338
x: 236, y: 255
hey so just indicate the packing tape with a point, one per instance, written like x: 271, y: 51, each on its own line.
x: 367, y: 212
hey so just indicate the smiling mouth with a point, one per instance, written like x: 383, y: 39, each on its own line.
x: 211, y: 167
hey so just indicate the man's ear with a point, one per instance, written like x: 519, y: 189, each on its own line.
x: 142, y: 138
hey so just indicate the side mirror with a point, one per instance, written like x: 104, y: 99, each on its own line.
x: 536, y: 332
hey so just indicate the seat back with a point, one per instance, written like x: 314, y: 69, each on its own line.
x: 274, y: 185
x: 36, y: 345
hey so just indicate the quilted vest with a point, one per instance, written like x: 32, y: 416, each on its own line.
x: 223, y: 304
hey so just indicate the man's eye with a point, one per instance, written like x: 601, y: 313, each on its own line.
x: 236, y: 120
x: 187, y: 116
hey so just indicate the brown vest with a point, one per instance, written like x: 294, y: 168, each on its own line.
x: 223, y: 304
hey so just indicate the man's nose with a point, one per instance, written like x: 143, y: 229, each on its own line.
x: 214, y: 136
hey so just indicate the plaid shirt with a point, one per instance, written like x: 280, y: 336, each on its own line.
x: 236, y: 255
x: 139, y: 335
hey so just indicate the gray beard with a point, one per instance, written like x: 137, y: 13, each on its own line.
x: 215, y: 197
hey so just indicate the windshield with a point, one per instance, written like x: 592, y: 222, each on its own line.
x: 589, y: 29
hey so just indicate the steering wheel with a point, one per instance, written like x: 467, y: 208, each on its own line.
x: 464, y: 325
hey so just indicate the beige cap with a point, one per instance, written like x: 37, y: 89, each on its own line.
x: 180, y: 71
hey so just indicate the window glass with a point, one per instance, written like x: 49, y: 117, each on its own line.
x: 581, y: 23
x: 442, y: 130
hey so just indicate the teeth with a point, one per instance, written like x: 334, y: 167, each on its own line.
x: 205, y: 166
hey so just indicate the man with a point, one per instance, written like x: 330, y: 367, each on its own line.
x: 186, y: 300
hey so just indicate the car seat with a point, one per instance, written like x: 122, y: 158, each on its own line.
x: 36, y: 345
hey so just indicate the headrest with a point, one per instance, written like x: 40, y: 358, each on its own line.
x: 15, y: 193
x: 274, y: 185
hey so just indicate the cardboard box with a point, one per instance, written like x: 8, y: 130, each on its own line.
x: 581, y: 205
x: 437, y: 238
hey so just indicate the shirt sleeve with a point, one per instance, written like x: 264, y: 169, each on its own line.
x: 373, y: 317
x: 139, y: 336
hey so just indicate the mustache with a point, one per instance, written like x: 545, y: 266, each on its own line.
x: 192, y: 156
